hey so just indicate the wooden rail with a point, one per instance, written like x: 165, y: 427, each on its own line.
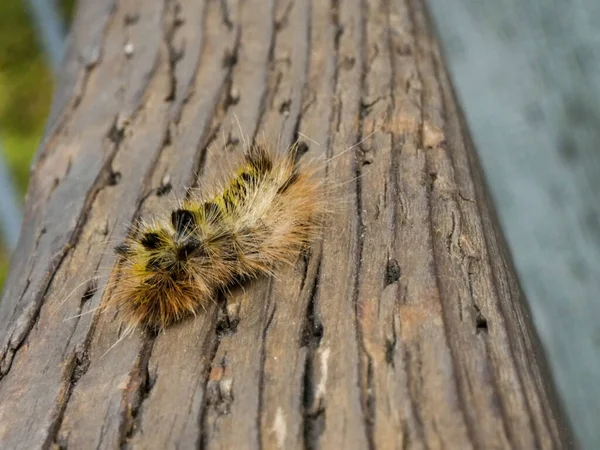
x: 403, y: 328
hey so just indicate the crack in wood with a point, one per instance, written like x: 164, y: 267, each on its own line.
x: 414, y: 384
x: 173, y: 21
x: 137, y: 391
x: 133, y: 397
x: 76, y: 368
x: 365, y: 360
x: 261, y: 378
x: 68, y: 93
x: 27, y: 320
x: 140, y: 385
x: 226, y: 14
x: 481, y: 323
x: 221, y: 110
x: 312, y: 334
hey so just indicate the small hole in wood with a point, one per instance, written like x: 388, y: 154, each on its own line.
x: 91, y: 289
x: 481, y: 323
x: 164, y: 189
x: 392, y: 272
x: 284, y: 107
x: 114, y: 178
x: 390, y: 346
x: 230, y: 59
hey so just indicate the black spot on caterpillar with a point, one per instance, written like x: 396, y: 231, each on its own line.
x: 122, y: 249
x: 183, y: 221
x: 150, y: 241
x: 270, y: 209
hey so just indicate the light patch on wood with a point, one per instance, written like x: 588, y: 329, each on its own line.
x: 322, y: 386
x: 467, y: 247
x: 367, y: 316
x: 128, y: 49
x: 216, y: 373
x: 401, y: 123
x: 432, y: 135
x: 414, y: 317
x: 280, y: 428
x: 124, y: 383
x: 225, y: 387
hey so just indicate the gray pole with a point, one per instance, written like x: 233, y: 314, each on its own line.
x: 50, y: 30
x: 10, y: 210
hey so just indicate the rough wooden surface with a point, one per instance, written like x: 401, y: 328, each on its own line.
x: 404, y: 328
x: 527, y: 78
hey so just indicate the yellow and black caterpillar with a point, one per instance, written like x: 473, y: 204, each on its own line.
x: 172, y: 267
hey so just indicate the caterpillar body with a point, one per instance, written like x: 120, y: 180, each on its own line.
x: 173, y: 267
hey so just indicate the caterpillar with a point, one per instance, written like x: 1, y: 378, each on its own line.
x: 174, y: 266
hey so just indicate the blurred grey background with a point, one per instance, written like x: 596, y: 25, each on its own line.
x: 527, y: 74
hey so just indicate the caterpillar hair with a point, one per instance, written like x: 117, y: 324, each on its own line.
x: 174, y: 266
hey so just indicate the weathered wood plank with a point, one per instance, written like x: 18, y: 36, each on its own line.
x: 404, y: 327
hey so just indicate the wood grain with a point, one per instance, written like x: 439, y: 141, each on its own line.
x: 404, y: 327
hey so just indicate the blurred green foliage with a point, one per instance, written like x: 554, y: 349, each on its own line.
x: 25, y: 92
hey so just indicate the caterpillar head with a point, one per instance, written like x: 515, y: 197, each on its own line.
x: 166, y: 272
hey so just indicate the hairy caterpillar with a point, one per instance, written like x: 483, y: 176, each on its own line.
x: 172, y: 267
